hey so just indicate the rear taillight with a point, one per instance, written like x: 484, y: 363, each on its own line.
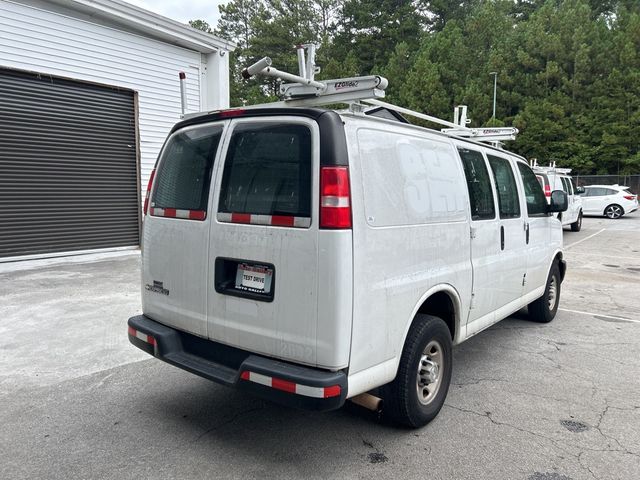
x: 335, y: 198
x: 630, y: 197
x: 547, y: 190
x: 146, y: 198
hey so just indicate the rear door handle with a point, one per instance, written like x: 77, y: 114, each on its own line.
x: 501, y: 237
x: 526, y: 230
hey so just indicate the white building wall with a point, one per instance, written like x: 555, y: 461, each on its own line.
x: 38, y: 40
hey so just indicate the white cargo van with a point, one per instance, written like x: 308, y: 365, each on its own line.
x: 309, y: 256
x: 552, y: 178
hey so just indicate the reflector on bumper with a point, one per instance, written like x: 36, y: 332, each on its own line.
x: 291, y: 387
x: 142, y: 336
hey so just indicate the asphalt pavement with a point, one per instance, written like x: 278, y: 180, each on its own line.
x: 528, y: 401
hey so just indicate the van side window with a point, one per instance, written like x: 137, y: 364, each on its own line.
x: 536, y: 202
x: 508, y: 201
x: 573, y: 185
x: 184, y: 172
x: 478, y: 184
x: 268, y: 171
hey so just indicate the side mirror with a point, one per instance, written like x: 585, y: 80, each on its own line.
x: 559, y: 201
x: 580, y: 190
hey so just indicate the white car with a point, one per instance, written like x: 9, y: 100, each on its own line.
x: 309, y: 256
x: 552, y: 178
x: 612, y: 201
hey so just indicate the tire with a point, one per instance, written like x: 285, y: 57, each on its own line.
x: 405, y: 401
x: 544, y: 309
x: 577, y: 225
x: 613, y: 211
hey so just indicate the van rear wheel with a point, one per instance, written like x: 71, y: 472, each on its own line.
x: 419, y: 390
x: 544, y: 309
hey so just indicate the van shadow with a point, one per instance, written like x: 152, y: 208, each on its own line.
x: 207, y: 417
x: 224, y: 426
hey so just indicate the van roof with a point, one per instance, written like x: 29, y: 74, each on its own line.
x: 619, y: 187
x: 316, y: 113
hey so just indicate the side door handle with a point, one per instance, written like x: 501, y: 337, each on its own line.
x: 501, y: 237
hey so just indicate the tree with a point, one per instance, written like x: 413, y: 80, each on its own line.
x: 200, y: 25
x: 568, y: 70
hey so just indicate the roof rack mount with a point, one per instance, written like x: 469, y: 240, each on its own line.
x: 304, y: 90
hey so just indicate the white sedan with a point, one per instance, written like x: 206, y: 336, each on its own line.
x: 612, y: 201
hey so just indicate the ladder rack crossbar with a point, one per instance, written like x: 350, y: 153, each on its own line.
x: 413, y: 113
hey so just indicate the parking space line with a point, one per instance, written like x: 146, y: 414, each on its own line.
x: 600, y: 255
x: 612, y: 317
x: 585, y: 238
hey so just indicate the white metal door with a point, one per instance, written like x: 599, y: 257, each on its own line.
x: 176, y: 230
x: 537, y: 230
x: 513, y: 246
x: 485, y: 239
x: 263, y: 248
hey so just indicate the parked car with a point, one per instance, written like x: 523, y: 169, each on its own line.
x: 612, y: 201
x: 552, y: 178
x: 309, y: 256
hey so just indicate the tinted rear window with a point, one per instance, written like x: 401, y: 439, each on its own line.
x: 268, y: 170
x: 184, y: 173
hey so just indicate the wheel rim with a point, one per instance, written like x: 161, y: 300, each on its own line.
x: 430, y: 372
x: 614, y: 211
x: 553, y: 293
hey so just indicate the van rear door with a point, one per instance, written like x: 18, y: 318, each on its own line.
x: 176, y: 230
x: 265, y: 244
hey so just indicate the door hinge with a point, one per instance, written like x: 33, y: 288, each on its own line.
x: 472, y: 232
x: 524, y: 279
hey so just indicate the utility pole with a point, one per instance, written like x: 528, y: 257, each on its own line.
x: 495, y: 85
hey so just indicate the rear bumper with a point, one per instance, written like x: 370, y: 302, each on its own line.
x: 281, y: 382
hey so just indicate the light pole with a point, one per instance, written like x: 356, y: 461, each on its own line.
x: 495, y: 85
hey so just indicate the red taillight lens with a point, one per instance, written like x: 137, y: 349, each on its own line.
x: 547, y: 190
x: 630, y: 197
x: 146, y: 197
x: 335, y: 198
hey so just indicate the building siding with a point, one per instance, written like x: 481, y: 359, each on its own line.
x: 41, y: 41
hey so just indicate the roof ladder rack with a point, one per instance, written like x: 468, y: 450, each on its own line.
x: 305, y: 91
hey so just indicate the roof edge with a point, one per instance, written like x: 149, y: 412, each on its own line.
x: 150, y: 23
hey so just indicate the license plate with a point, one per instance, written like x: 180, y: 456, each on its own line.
x: 254, y: 278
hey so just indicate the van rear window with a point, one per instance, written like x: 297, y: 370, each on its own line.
x: 184, y: 173
x: 268, y: 171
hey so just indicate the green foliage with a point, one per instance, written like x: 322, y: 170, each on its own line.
x: 200, y: 25
x: 568, y: 70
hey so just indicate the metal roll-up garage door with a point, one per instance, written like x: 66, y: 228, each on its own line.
x: 68, y: 169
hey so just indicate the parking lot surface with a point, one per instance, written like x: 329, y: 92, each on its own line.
x: 528, y: 401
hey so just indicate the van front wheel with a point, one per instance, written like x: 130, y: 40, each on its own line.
x: 418, y: 392
x: 577, y: 225
x: 544, y: 309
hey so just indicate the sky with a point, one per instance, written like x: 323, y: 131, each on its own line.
x: 183, y: 10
